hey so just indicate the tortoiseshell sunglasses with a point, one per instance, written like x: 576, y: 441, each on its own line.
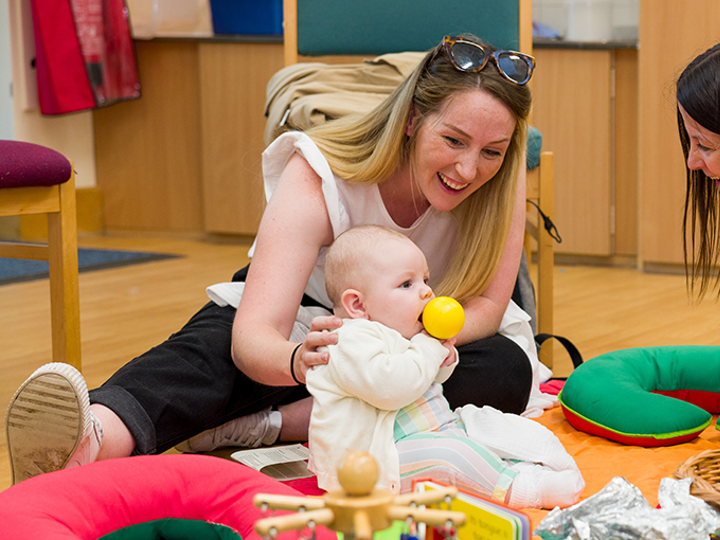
x: 472, y: 57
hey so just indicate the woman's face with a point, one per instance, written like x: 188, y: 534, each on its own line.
x: 704, y: 153
x: 461, y: 147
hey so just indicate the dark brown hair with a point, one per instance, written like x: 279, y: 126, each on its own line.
x: 698, y: 91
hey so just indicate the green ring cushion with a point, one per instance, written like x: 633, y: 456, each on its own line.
x: 650, y: 396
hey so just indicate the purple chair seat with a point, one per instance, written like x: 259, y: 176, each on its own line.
x: 25, y: 164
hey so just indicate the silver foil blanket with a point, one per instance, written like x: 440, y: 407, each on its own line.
x: 619, y: 511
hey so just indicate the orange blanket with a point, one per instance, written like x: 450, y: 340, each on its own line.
x: 600, y: 460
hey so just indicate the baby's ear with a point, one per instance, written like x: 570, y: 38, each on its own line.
x: 353, y: 304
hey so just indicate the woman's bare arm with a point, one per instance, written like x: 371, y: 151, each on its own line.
x: 484, y: 313
x: 294, y: 226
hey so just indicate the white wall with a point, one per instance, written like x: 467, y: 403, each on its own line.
x: 7, y: 130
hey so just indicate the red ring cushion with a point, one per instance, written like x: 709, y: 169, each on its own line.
x: 94, y: 500
x: 25, y: 164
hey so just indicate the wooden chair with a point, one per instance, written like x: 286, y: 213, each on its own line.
x: 37, y: 180
x: 540, y: 186
x: 373, y: 27
x: 324, y: 28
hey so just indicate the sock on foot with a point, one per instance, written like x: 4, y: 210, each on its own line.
x: 89, y: 447
x: 536, y: 486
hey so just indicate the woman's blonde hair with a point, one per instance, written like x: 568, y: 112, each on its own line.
x: 369, y: 148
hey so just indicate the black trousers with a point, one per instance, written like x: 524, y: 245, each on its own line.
x: 189, y: 383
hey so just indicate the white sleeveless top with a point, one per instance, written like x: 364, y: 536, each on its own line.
x: 360, y: 204
x: 350, y: 204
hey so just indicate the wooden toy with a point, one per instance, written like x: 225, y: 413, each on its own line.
x: 359, y: 509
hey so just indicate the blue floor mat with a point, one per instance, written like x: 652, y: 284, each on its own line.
x: 16, y: 270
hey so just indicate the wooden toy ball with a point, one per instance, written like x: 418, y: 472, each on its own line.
x: 443, y: 317
x: 358, y: 473
x: 359, y: 509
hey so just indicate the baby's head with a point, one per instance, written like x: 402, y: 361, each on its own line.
x: 380, y: 275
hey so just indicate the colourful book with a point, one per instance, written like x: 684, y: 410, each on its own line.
x: 486, y: 519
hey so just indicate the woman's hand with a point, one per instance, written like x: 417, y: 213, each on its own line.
x: 320, y: 335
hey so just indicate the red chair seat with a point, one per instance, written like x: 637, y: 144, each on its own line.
x: 25, y: 164
x: 35, y: 180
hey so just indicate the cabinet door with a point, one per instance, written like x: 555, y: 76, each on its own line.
x: 671, y: 34
x: 626, y: 165
x: 233, y: 78
x: 572, y: 96
x: 147, y: 151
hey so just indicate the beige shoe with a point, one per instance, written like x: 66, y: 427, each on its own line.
x: 251, y: 431
x: 49, y: 424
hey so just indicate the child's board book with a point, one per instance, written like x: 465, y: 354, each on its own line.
x: 486, y: 519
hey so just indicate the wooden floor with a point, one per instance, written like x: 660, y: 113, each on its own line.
x: 127, y: 310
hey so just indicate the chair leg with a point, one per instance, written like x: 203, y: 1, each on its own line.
x: 64, y: 282
x: 290, y: 32
x: 546, y: 258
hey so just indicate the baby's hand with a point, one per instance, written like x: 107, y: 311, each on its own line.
x: 449, y: 344
x: 451, y: 358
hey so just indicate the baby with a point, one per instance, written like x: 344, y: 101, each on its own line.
x: 381, y: 390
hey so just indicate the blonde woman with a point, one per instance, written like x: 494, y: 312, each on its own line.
x: 440, y: 161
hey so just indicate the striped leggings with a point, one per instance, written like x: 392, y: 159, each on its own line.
x: 432, y: 444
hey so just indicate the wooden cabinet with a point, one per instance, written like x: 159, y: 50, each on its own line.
x: 583, y: 101
x: 671, y: 33
x: 626, y: 163
x: 233, y: 79
x: 147, y: 151
x: 186, y: 155
x: 640, y: 207
x: 572, y: 109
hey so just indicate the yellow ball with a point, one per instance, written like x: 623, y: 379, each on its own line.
x: 443, y: 317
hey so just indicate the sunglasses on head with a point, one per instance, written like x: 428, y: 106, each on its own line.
x: 472, y: 57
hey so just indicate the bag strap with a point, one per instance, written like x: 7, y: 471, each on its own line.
x: 572, y: 350
x: 548, y: 224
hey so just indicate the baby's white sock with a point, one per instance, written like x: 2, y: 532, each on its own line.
x: 536, y: 486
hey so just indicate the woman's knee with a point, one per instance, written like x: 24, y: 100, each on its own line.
x: 493, y: 371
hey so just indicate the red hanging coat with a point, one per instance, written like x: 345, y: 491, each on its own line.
x: 84, y: 54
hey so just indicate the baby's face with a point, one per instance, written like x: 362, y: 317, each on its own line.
x: 396, y: 286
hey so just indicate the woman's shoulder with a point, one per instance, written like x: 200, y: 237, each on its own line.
x: 277, y: 155
x: 295, y: 155
x: 296, y: 150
